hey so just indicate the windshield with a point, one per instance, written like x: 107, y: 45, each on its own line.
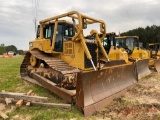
x: 154, y: 47
x: 105, y: 44
x: 130, y: 43
x: 140, y: 45
x: 108, y: 42
x: 127, y: 43
x: 120, y: 42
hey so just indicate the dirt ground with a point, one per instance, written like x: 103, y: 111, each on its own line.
x: 141, y: 102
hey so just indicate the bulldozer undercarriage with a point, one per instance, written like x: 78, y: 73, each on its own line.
x: 54, y: 69
x: 90, y: 91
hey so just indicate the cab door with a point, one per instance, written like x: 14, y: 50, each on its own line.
x: 58, y: 47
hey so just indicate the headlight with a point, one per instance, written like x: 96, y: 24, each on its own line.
x: 30, y: 44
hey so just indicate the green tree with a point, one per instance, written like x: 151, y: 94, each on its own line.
x: 11, y: 48
x: 2, y: 49
x: 150, y: 34
x: 20, y: 52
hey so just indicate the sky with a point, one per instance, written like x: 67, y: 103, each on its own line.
x: 17, y: 16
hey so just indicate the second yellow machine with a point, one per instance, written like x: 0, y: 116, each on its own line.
x: 154, y: 52
x: 135, y: 52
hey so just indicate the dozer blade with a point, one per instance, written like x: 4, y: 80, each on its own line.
x: 157, y: 65
x: 97, y: 89
x: 142, y: 68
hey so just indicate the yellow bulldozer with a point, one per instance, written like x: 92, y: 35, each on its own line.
x: 154, y: 52
x: 63, y: 60
x: 114, y: 53
x: 136, y: 53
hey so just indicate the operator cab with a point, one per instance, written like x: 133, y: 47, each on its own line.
x: 64, y: 32
x: 154, y: 47
x: 128, y: 43
x: 108, y: 41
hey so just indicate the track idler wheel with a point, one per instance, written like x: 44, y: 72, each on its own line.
x: 33, y: 60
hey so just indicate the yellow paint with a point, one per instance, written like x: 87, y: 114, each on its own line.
x: 118, y: 54
x: 139, y: 53
x: 74, y: 50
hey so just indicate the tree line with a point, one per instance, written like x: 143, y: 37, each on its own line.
x: 4, y: 49
x: 149, y: 34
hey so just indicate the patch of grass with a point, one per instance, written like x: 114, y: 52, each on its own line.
x: 10, y: 81
x: 9, y: 74
x: 126, y: 103
x: 140, y: 86
x: 41, y: 113
x: 56, y: 114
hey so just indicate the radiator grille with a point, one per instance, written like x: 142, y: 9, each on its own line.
x: 68, y: 48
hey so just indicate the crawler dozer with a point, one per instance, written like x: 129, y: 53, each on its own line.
x: 154, y: 52
x: 64, y: 61
x: 114, y: 53
x: 116, y: 56
x: 135, y: 53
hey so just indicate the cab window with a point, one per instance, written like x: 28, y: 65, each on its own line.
x: 68, y: 30
x: 48, y: 31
